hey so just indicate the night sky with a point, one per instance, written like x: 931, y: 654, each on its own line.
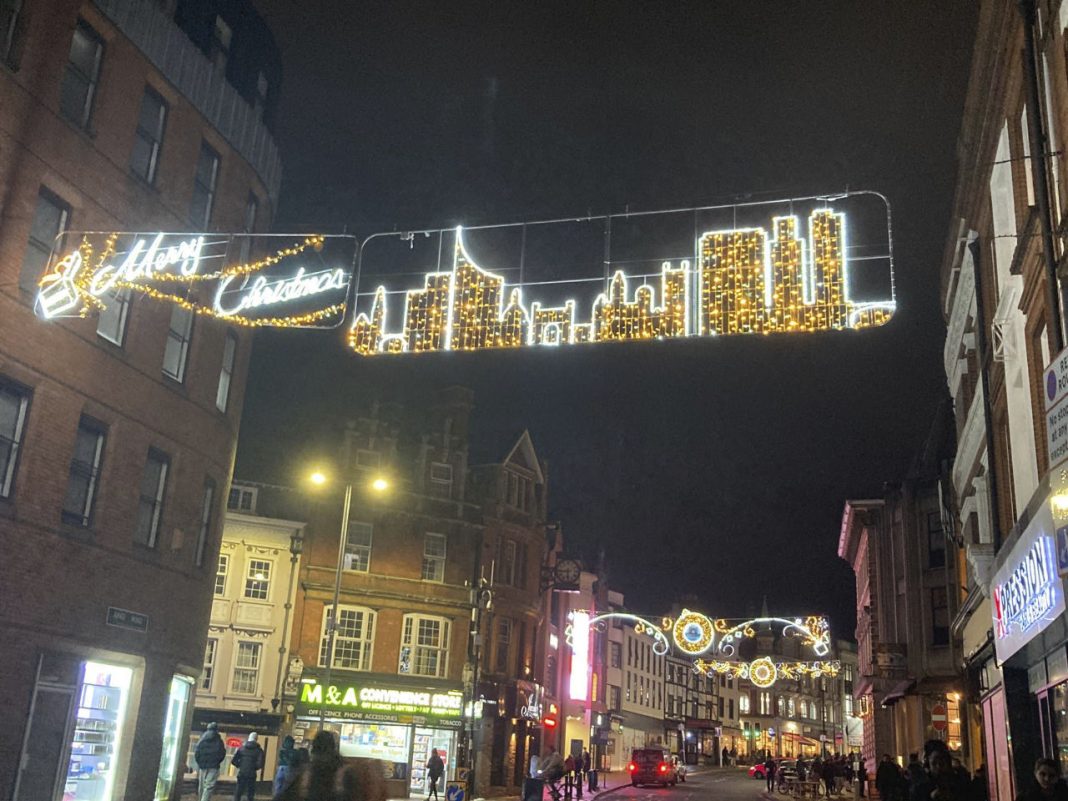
x: 715, y: 468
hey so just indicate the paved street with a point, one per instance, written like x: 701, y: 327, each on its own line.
x: 708, y: 784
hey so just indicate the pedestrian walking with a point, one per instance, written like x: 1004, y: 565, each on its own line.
x: 569, y: 774
x: 435, y: 769
x: 725, y: 758
x: 290, y: 758
x: 862, y: 777
x: 209, y: 754
x: 587, y: 766
x: 888, y: 779
x: 734, y: 757
x: 248, y: 760
x: 769, y: 773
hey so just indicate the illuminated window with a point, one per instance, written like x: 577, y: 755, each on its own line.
x: 9, y: 24
x: 353, y: 638
x: 791, y: 707
x: 953, y: 730
x: 208, y: 673
x: 111, y: 323
x: 204, y: 532
x: 205, y: 183
x: 440, y: 479
x: 615, y: 654
x: 1003, y: 209
x: 148, y: 139
x: 50, y: 218
x: 226, y: 372
x: 258, y: 579
x: 425, y: 646
x: 150, y: 504
x: 743, y: 704
x: 176, y: 351
x: 14, y: 401
x: 84, y: 473
x: 765, y: 703
x: 246, y: 680
x: 220, y: 574
x: 81, y: 75
x: 358, y: 547
x: 433, y: 557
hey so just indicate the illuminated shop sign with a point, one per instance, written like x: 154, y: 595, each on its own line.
x: 1027, y: 594
x: 381, y: 699
x: 762, y: 268
x: 251, y: 280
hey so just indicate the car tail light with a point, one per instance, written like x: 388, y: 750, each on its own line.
x: 631, y: 767
x: 663, y: 767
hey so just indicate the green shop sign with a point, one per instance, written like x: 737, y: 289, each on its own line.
x: 380, y: 699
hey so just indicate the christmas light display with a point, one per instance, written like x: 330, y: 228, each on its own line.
x: 742, y: 281
x: 762, y: 672
x: 294, y: 286
x: 692, y: 632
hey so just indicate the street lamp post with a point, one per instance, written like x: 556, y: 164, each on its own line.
x: 331, y: 623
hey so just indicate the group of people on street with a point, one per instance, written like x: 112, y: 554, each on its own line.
x: 728, y: 758
x: 834, y: 772
x: 551, y: 768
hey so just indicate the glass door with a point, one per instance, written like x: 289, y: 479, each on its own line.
x: 173, y: 725
x: 425, y: 740
x: 98, y: 724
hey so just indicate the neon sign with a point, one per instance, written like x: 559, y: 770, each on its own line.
x: 580, y: 655
x: 380, y: 699
x: 791, y: 277
x: 1027, y: 594
x: 301, y: 281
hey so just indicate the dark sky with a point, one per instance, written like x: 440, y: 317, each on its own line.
x: 717, y: 468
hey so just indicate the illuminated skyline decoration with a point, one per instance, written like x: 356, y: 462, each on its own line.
x: 741, y: 281
x: 295, y: 286
x: 712, y: 643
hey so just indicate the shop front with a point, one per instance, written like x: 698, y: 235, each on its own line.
x: 380, y: 718
x: 234, y: 727
x: 1023, y: 715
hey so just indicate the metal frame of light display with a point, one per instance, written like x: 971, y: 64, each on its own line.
x: 713, y: 644
x: 793, y: 277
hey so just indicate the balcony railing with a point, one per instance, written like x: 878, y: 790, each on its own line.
x: 184, y: 65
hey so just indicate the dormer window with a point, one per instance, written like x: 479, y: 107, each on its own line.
x: 517, y: 491
x: 242, y: 499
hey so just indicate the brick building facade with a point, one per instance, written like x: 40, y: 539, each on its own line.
x: 113, y: 474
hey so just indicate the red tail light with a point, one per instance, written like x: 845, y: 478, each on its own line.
x: 663, y: 767
x: 631, y: 767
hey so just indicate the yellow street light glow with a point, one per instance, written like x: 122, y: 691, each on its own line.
x: 318, y: 478
x: 1060, y: 502
x: 380, y: 485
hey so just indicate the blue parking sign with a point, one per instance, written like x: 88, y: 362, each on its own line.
x: 455, y: 791
x: 1062, y: 550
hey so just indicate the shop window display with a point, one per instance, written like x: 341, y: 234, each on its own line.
x: 377, y: 741
x: 425, y: 741
x: 97, y: 730
x: 1059, y: 716
x: 177, y: 703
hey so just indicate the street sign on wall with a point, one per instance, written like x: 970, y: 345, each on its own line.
x: 1055, y: 381
x: 938, y: 717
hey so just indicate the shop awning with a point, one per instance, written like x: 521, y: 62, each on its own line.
x: 808, y: 741
x: 897, y: 692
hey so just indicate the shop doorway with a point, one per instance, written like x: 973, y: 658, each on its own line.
x: 426, y: 740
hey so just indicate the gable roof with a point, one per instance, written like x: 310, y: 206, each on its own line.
x: 523, y: 455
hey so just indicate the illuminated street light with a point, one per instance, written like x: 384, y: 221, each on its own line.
x: 380, y: 484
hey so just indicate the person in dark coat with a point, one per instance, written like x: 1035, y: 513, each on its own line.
x: 289, y: 759
x: 209, y: 754
x: 435, y: 769
x: 769, y: 773
x: 249, y: 761
x: 1047, y: 784
x: 888, y: 779
x: 942, y: 782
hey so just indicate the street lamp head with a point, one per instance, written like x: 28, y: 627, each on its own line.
x: 380, y: 484
x: 318, y: 478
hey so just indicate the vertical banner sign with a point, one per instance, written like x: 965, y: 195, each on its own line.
x: 580, y: 655
x: 260, y: 280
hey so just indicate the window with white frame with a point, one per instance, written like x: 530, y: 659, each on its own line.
x: 246, y: 680
x: 353, y: 638
x: 226, y: 372
x: 765, y: 703
x: 111, y: 320
x: 242, y: 499
x: 221, y: 573
x: 1029, y: 177
x: 258, y: 579
x: 1003, y: 207
x: 204, y: 533
x: 81, y: 74
x: 51, y: 216
x: 503, y: 642
x: 509, y: 567
x: 150, y: 504
x: 791, y: 707
x: 425, y: 646
x: 211, y: 648
x: 14, y: 401
x: 433, y: 557
x: 440, y: 479
x: 176, y: 351
x: 743, y: 703
x: 84, y: 473
x: 358, y: 547
x: 148, y: 138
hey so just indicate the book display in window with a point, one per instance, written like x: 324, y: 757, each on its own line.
x: 97, y: 726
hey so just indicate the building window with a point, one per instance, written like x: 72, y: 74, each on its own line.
x: 615, y: 654
x: 503, y: 641
x: 353, y: 637
x: 205, y: 182
x: 9, y: 21
x: 506, y: 562
x: 226, y: 373
x: 258, y: 579
x: 614, y: 700
x: 84, y: 473
x: 206, y: 509
x: 781, y: 707
x: 518, y: 491
x: 150, y: 505
x: 111, y: 323
x: 51, y: 217
x: 1029, y: 178
x: 358, y: 547
x: 14, y: 401
x: 221, y: 572
x: 765, y: 703
x: 743, y: 704
x: 1003, y: 208
x: 433, y: 557
x: 219, y: 50
x: 368, y: 459
x: 936, y: 541
x: 246, y: 679
x: 210, y: 650
x: 939, y: 616
x: 148, y: 138
x: 847, y: 705
x: 440, y: 480
x: 81, y: 76
x: 242, y: 499
x: 791, y: 708
x: 424, y: 646
x: 176, y: 351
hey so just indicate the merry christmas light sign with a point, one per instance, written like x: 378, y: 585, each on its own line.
x: 250, y: 280
x: 782, y: 273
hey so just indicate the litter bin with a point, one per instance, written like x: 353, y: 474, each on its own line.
x: 593, y: 780
x: 533, y: 789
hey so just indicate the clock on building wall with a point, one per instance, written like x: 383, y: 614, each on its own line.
x: 566, y: 575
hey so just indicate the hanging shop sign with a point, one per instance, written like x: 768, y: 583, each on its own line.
x: 1026, y: 591
x: 370, y: 702
x: 275, y: 280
